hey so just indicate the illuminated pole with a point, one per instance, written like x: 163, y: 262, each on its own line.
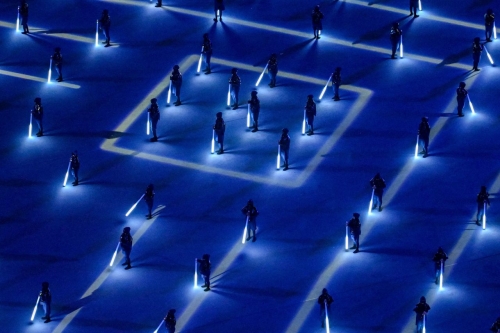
x: 326, y: 86
x: 135, y: 205
x: 213, y: 142
x: 114, y: 255
x: 401, y: 46
x: 484, y: 216
x: 36, y: 307
x: 229, y: 95
x: 441, y: 275
x: 347, y: 238
x: 195, y: 272
x: 159, y: 326
x: 423, y: 331
x: 67, y: 173
x: 420, y: 5
x: 30, y: 128
x: 371, y: 202
x: 494, y: 31
x: 261, y: 75
x: 248, y: 116
x: 17, y: 22
x: 327, y: 322
x: 304, y: 123
x: 147, y: 126
x: 97, y: 33
x: 169, y: 92
x: 470, y: 104
x: 245, y: 231
x: 416, y: 147
x: 489, y: 56
x: 50, y: 70
x: 199, y: 61
x: 278, y: 159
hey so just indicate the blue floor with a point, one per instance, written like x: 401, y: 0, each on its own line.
x: 67, y: 235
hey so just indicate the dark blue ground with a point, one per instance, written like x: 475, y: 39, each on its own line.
x: 67, y: 235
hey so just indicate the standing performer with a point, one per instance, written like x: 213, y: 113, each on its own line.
x: 317, y: 16
x: 205, y: 269
x: 395, y: 38
x: 46, y: 300
x: 149, y: 198
x: 126, y: 245
x: 105, y: 24
x: 251, y: 212
x: 23, y: 11
x: 413, y: 8
x: 207, y: 52
x: 255, y: 110
x: 310, y: 114
x: 438, y: 257
x: 284, y: 143
x: 218, y: 7
x: 355, y: 231
x: 461, y: 95
x: 272, y: 69
x: 336, y: 81
x: 154, y: 115
x: 235, y: 82
x: 220, y: 129
x: 482, y: 199
x: 477, y: 49
x: 75, y: 166
x: 378, y: 184
x: 424, y: 131
x: 176, y: 79
x: 324, y: 308
x: 58, y: 59
x: 489, y: 24
x: 37, y: 113
x: 421, y: 310
x: 170, y: 321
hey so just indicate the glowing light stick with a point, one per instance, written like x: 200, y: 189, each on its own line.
x: 401, y: 46
x: 159, y: 326
x: 67, y: 173
x: 489, y: 56
x: 147, y: 125
x: 470, y: 105
x: 326, y: 86
x: 248, y: 116
x: 31, y: 120
x: 199, y: 61
x: 346, y: 238
x: 441, y: 276
x: 17, y: 22
x: 278, y: 160
x: 245, y: 231
x: 50, y: 70
x: 494, y: 31
x: 484, y: 216
x: 419, y: 5
x: 327, y: 322
x: 261, y: 75
x: 195, y: 272
x: 114, y: 255
x: 304, y: 123
x: 34, y: 310
x: 424, y: 325
x: 213, y: 142
x: 371, y: 202
x: 169, y: 92
x: 416, y: 147
x: 229, y: 95
x: 97, y: 33
x: 135, y: 205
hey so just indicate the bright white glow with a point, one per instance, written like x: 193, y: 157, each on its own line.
x: 248, y: 116
x: 326, y: 86
x: 346, y: 238
x: 159, y: 326
x: 371, y: 202
x: 30, y: 128
x: 97, y: 33
x: 327, y: 322
x: 213, y: 142
x: 416, y: 147
x: 229, y: 95
x: 50, y: 71
x: 147, y: 125
x: 494, y: 31
x: 17, y: 22
x: 195, y: 272
x: 169, y: 92
x: 304, y: 123
x: 261, y: 75
x: 114, y: 255
x: 135, y: 205
x: 489, y: 56
x: 470, y: 105
x: 199, y: 61
x: 67, y: 173
x: 401, y: 47
x: 278, y: 159
x: 423, y: 331
x: 484, y: 216
x: 34, y: 310
x: 419, y: 5
x: 441, y: 275
x: 245, y: 232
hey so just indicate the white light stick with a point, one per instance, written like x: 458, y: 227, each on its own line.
x: 169, y: 92
x: 199, y: 61
x: 135, y: 205
x: 424, y: 325
x: 156, y: 331
x: 416, y: 147
x: 50, y: 71
x: 494, y: 31
x: 147, y: 126
x: 401, y: 46
x: 489, y: 56
x: 195, y: 272
x: 67, y: 173
x: 229, y: 95
x: 327, y: 322
x: 261, y: 75
x: 97, y: 33
x: 470, y: 105
x: 441, y: 276
x: 17, y: 22
x: 326, y: 86
x: 304, y: 123
x: 114, y: 255
x: 484, y: 216
x: 245, y: 232
x: 419, y: 5
x: 31, y: 120
x: 36, y: 307
x: 248, y: 116
x: 278, y: 160
x: 347, y: 238
x: 371, y: 202
x: 213, y: 142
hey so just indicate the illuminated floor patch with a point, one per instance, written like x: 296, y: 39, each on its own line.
x: 354, y: 111
x: 38, y: 79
